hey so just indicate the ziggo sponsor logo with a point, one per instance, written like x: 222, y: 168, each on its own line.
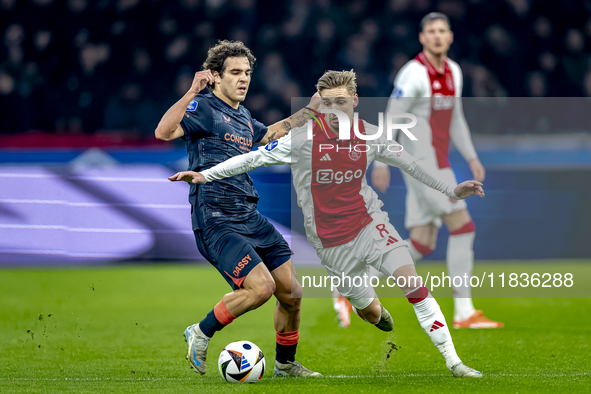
x: 245, y: 143
x: 338, y: 177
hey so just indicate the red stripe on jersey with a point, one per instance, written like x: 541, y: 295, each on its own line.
x: 340, y: 212
x: 442, y: 105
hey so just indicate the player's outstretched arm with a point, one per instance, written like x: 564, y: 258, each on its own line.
x: 283, y: 127
x: 278, y: 152
x: 409, y: 164
x: 169, y: 127
x: 233, y: 166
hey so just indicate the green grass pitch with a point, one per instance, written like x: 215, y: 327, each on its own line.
x: 119, y: 329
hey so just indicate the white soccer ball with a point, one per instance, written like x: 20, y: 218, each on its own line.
x: 241, y: 362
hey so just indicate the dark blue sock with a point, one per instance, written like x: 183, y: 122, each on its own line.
x: 209, y: 325
x: 285, y: 353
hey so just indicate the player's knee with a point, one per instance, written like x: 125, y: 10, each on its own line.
x: 290, y: 303
x: 295, y: 291
x: 263, y: 292
x: 291, y: 298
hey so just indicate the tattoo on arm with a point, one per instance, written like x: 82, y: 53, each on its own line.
x: 277, y: 131
x: 286, y: 126
x: 299, y: 119
x: 285, y: 129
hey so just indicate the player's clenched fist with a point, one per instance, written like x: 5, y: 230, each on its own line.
x: 202, y: 78
x: 380, y: 178
x: 469, y: 188
x: 315, y: 101
x: 187, y: 176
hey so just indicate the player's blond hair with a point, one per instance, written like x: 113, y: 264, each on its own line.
x: 336, y: 79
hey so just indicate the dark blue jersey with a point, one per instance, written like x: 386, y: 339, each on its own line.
x: 215, y: 132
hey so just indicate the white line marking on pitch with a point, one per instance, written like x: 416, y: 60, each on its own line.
x: 328, y: 376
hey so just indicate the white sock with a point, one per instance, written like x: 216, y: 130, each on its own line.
x: 416, y: 255
x: 433, y: 322
x: 460, y: 262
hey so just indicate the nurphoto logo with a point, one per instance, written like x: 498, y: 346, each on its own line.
x: 345, y: 125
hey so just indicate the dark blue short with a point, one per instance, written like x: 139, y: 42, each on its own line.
x: 235, y: 248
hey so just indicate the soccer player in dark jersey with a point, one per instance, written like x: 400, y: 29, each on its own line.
x: 243, y: 246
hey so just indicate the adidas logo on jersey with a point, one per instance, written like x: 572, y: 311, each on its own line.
x: 436, y: 326
x: 326, y: 157
x: 391, y: 240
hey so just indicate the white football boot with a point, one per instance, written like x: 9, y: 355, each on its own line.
x: 386, y: 322
x: 198, y: 343
x: 293, y: 369
x: 460, y: 370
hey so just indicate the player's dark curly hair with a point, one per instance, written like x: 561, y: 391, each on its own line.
x: 217, y: 55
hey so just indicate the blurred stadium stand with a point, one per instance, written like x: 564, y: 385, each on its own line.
x: 80, y: 66
x: 83, y: 85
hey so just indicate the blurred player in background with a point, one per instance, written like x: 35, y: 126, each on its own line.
x: 430, y: 87
x: 243, y: 246
x: 342, y: 215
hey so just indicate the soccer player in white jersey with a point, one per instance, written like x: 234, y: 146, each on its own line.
x: 430, y: 87
x: 342, y: 214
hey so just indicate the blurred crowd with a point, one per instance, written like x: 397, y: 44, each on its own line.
x: 82, y: 66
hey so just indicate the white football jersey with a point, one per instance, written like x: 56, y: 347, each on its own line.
x: 329, y: 178
x: 435, y: 99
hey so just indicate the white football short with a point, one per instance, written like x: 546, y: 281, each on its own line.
x: 425, y: 205
x: 373, y: 247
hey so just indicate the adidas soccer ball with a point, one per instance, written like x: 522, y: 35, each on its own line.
x: 241, y: 362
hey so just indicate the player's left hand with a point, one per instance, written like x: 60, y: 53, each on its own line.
x: 469, y: 188
x: 477, y: 169
x: 187, y: 176
x: 380, y: 178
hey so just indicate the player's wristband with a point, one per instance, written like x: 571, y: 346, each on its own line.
x: 312, y: 110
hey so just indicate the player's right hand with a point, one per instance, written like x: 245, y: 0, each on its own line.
x: 315, y: 101
x: 201, y: 80
x: 380, y: 178
x: 187, y: 176
x: 477, y: 169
